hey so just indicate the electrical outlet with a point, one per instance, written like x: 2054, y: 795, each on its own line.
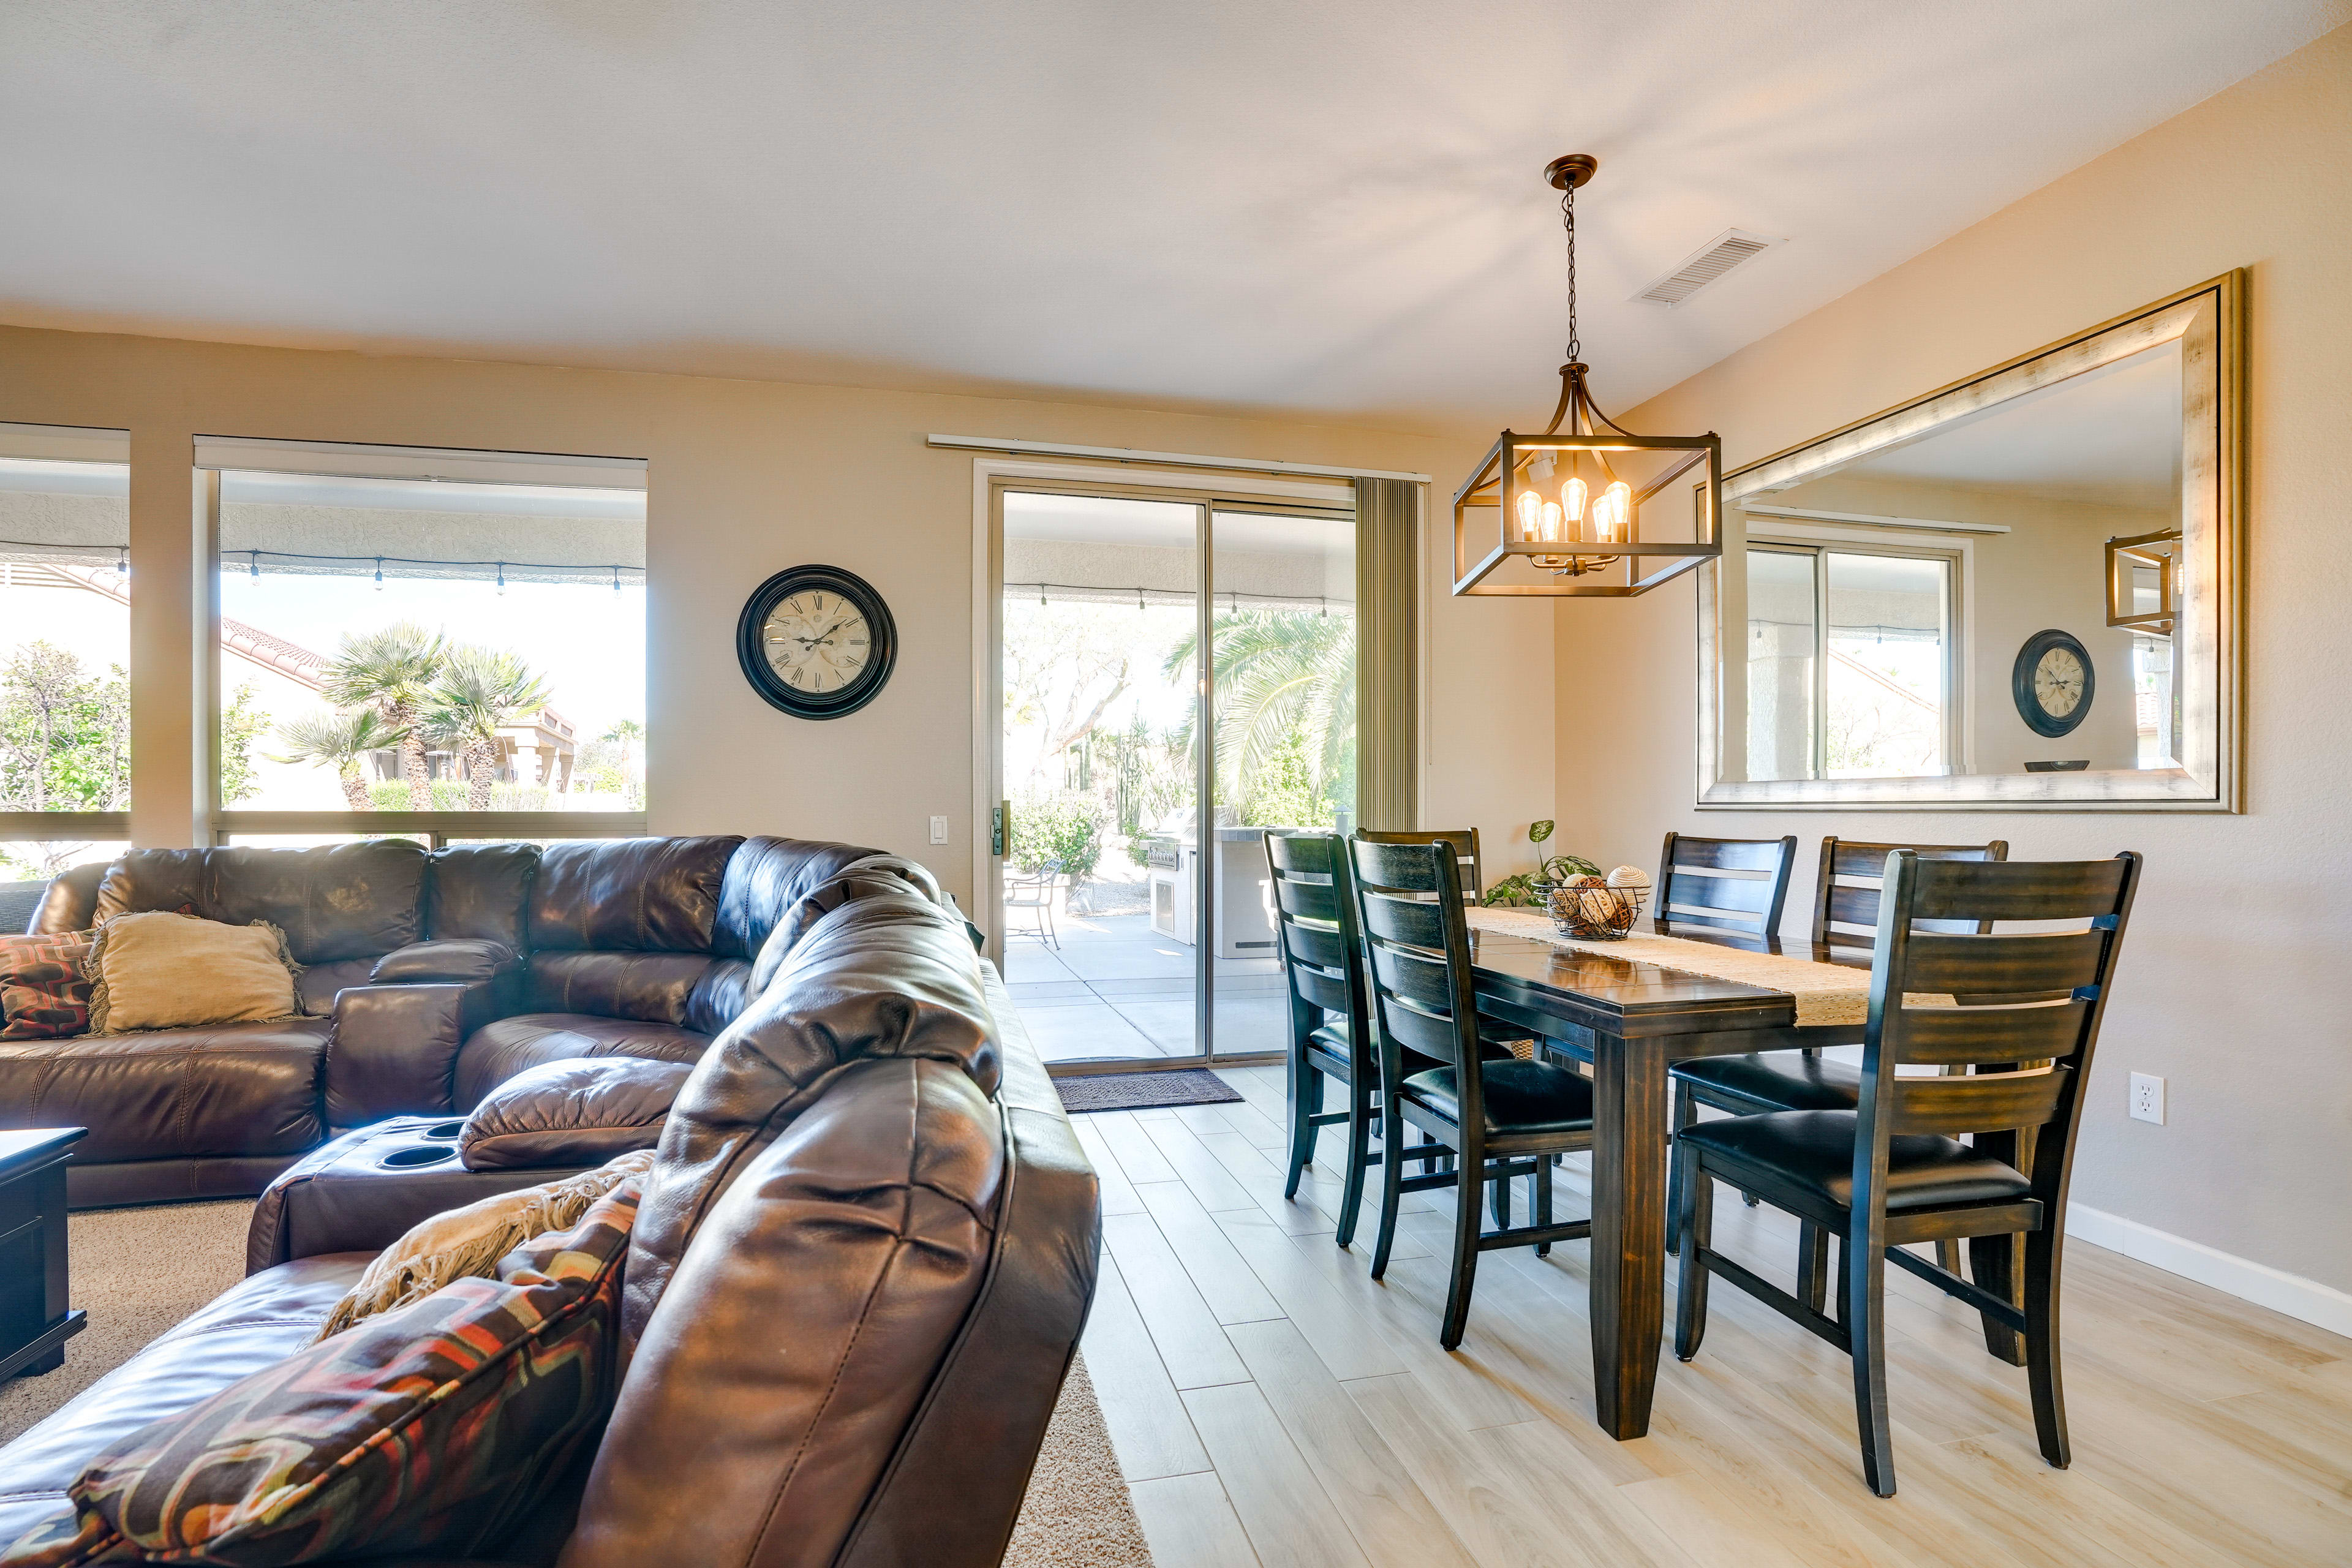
x: 2148, y: 1098
x: 939, y: 830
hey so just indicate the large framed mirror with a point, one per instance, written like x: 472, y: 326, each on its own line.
x: 2019, y: 592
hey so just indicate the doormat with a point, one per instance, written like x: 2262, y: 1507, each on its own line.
x: 1143, y: 1090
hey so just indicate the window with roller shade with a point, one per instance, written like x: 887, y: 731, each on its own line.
x: 464, y: 643
x: 65, y: 648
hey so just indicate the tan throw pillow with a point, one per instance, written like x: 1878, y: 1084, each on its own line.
x: 165, y: 970
x: 468, y: 1243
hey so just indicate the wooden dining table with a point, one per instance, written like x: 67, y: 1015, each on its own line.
x: 1631, y: 1021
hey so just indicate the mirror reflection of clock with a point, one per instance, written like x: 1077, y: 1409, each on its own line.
x: 2058, y: 681
x: 2053, y: 682
x: 817, y: 641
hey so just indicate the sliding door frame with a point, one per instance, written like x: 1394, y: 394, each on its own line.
x: 1209, y: 493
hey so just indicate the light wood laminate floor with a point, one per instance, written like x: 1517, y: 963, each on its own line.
x: 1271, y: 1404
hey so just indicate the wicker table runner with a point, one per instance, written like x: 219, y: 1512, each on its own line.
x: 1825, y: 993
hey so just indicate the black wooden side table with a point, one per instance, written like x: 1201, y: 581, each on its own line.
x: 35, y: 1321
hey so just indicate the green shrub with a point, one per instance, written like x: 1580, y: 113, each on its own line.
x: 1064, y: 828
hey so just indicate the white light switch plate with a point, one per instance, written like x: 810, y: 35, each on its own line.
x: 939, y: 830
x: 2148, y: 1098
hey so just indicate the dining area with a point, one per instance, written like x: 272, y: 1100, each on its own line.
x: 1469, y: 1049
x: 1766, y: 1199
x: 1824, y: 1171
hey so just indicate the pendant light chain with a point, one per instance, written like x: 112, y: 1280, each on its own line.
x: 1568, y: 222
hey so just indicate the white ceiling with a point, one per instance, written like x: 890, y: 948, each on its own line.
x: 1326, y: 208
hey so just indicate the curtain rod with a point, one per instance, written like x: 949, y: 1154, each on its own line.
x: 1168, y: 459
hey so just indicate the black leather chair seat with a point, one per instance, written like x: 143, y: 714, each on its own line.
x: 1519, y: 1097
x: 1813, y: 1151
x: 1790, y: 1080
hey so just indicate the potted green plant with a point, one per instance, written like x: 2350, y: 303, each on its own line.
x: 1535, y: 887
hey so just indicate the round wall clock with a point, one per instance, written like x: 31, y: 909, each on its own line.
x: 816, y: 641
x: 2052, y: 683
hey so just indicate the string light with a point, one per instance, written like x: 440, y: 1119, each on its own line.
x: 122, y: 561
x: 379, y: 573
x: 254, y: 570
x: 502, y: 579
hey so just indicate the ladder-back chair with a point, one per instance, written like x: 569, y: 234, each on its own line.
x: 1502, y: 1118
x: 2019, y: 1014
x: 1732, y: 884
x: 1846, y: 897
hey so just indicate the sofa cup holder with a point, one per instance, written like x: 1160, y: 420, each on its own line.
x: 442, y: 1131
x: 411, y: 1158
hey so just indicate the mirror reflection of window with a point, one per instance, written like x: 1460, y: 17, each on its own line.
x: 1783, y: 650
x: 1887, y: 669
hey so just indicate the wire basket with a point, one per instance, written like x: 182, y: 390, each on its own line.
x: 1595, y: 912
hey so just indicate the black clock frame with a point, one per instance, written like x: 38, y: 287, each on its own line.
x: 752, y: 656
x: 2038, y: 718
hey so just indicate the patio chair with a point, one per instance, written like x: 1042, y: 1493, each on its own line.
x: 1034, y: 890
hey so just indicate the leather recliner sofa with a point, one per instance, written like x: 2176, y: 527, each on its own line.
x: 863, y: 1254
x: 427, y: 980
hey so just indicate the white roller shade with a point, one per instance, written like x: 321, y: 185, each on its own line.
x: 354, y: 461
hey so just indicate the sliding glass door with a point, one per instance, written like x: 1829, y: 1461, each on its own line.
x: 1131, y: 883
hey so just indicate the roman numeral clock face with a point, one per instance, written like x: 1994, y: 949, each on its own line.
x: 2053, y: 682
x: 816, y: 642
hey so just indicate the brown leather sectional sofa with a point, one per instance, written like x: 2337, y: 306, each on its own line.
x: 866, y: 1248
x: 428, y: 979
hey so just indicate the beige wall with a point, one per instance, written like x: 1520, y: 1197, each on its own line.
x: 2236, y: 983
x: 747, y: 478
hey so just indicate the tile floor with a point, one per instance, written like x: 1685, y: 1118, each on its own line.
x: 1115, y: 989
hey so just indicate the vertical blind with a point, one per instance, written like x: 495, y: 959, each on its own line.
x: 1388, y: 694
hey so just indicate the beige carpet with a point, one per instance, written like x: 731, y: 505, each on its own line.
x: 139, y: 1271
x: 136, y: 1272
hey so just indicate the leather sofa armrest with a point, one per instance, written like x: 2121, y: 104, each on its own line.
x: 446, y: 960
x: 392, y: 1050
x: 362, y: 1192
x: 581, y: 1112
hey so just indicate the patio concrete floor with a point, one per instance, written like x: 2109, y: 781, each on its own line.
x: 1115, y: 989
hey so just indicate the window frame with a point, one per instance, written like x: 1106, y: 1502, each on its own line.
x: 438, y: 827
x: 72, y: 444
x: 1959, y: 695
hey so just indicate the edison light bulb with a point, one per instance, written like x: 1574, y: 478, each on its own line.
x: 1571, y: 499
x: 1551, y: 522
x: 1617, y: 504
x: 1531, y: 513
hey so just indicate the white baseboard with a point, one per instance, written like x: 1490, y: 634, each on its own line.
x: 2308, y: 1299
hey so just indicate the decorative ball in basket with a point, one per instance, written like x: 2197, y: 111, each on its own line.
x: 1599, y: 909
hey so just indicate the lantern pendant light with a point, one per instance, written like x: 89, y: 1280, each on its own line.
x: 1560, y: 501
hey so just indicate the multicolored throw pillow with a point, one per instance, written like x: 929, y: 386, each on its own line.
x: 429, y: 1430
x: 44, y: 992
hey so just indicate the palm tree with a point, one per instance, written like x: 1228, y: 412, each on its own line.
x: 480, y: 691
x: 1284, y: 679
x: 392, y: 672
x: 339, y: 741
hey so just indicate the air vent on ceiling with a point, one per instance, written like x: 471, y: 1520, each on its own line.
x: 1711, y: 261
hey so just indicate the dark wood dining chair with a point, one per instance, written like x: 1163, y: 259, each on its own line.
x: 1846, y: 897
x: 1502, y: 1118
x: 2019, y: 1014
x: 1330, y: 1043
x: 1465, y: 847
x: 1732, y: 884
